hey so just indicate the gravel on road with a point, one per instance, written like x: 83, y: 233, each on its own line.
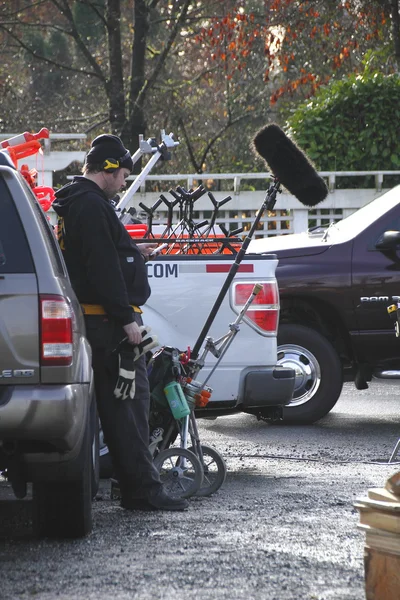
x: 282, y: 527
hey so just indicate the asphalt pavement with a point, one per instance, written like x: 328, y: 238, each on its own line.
x: 282, y: 527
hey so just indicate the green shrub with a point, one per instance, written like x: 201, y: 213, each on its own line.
x: 351, y: 125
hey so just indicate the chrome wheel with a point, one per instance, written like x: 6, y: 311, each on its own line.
x: 307, y: 369
x: 318, y: 369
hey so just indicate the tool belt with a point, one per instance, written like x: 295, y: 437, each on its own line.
x: 98, y: 309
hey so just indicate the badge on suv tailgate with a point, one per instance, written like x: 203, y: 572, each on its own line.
x: 17, y: 373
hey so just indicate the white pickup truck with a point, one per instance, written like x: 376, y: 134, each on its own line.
x: 184, y: 289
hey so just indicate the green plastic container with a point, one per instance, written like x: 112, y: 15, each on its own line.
x: 176, y: 400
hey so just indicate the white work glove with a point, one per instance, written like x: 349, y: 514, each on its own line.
x: 127, y: 355
x: 148, y: 342
x: 125, y: 386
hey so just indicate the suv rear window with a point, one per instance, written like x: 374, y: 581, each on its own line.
x: 15, y: 256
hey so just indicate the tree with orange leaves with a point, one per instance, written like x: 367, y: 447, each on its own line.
x: 306, y: 43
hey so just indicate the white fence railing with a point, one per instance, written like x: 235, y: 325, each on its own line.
x: 246, y: 189
x: 289, y: 215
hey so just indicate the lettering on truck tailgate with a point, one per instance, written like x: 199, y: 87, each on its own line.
x: 160, y: 270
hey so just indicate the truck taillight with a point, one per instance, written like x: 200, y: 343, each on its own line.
x: 56, y: 331
x: 264, y: 310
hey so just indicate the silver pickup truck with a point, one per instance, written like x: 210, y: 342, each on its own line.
x: 48, y: 423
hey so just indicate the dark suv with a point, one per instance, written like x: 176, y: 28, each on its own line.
x: 48, y: 421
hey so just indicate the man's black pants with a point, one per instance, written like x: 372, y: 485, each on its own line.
x: 124, y: 422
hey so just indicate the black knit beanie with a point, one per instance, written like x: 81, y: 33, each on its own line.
x: 108, y: 146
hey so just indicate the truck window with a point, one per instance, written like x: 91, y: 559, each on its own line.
x: 15, y: 256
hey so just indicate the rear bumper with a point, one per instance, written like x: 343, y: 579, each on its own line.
x: 267, y: 387
x: 52, y: 414
x: 260, y: 388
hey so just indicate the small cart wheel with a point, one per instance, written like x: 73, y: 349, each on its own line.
x: 214, y: 468
x: 180, y: 471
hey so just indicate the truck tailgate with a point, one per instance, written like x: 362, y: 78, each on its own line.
x: 184, y: 289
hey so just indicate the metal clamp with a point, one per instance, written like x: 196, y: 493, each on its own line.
x: 148, y: 146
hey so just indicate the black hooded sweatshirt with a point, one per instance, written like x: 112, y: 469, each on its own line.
x: 104, y: 265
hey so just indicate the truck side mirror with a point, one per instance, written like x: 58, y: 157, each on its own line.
x: 389, y: 240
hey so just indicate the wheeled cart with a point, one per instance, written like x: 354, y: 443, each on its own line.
x: 186, y: 466
x: 189, y: 468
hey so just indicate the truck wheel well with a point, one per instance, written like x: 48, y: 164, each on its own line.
x: 321, y: 317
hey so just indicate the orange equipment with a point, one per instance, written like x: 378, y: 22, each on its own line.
x: 30, y: 175
x: 45, y: 196
x: 23, y: 145
x: 25, y: 137
x: 23, y: 150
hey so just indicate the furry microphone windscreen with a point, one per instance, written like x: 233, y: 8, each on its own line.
x: 290, y: 165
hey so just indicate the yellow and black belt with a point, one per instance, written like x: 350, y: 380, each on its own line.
x: 98, y: 309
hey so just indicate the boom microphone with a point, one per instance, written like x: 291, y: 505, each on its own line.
x: 290, y: 165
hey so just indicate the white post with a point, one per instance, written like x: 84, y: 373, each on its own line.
x: 300, y: 220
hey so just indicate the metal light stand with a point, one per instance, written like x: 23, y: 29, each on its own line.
x: 218, y: 348
x: 268, y: 204
x: 167, y: 142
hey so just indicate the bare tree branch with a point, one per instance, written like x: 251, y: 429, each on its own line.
x: 179, y: 86
x: 220, y: 133
x: 48, y: 60
x: 189, y: 146
x: 80, y: 43
x: 97, y: 11
x: 153, y: 4
x: 58, y: 5
x: 82, y: 119
x: 28, y: 7
x: 27, y: 25
x: 161, y: 60
x: 102, y: 122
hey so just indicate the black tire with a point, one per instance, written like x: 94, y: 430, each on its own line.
x: 180, y: 471
x: 214, y: 469
x: 319, y: 374
x: 64, y: 509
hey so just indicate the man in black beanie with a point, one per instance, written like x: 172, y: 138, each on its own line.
x: 109, y: 276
